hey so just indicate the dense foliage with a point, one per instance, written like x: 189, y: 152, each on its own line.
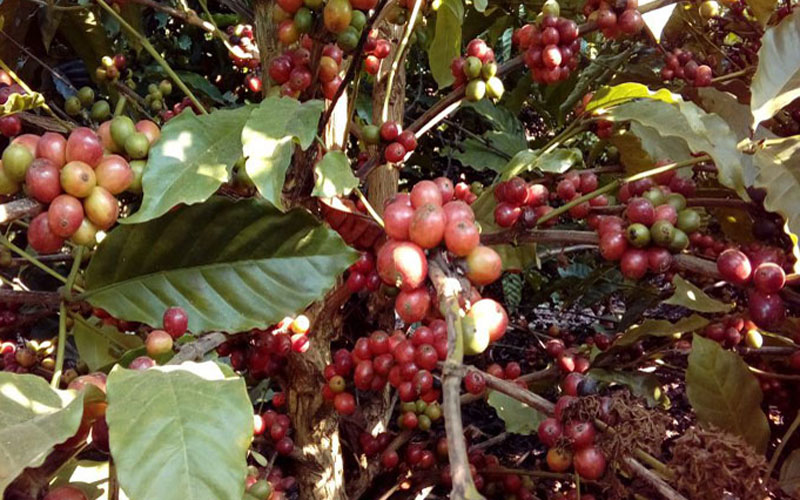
x: 329, y: 249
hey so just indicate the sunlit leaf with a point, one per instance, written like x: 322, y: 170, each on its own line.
x: 518, y: 417
x: 21, y: 102
x: 334, y: 176
x: 661, y: 328
x: 608, y: 97
x: 691, y: 297
x: 776, y: 81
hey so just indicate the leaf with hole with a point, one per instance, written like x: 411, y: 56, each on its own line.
x: 253, y: 266
x: 724, y: 393
x: 187, y: 426
x: 34, y: 418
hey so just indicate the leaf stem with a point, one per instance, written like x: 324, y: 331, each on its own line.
x: 153, y: 52
x: 785, y: 439
x: 55, y: 382
x: 399, y: 57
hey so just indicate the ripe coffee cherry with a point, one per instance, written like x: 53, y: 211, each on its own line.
x: 580, y: 434
x: 566, y: 190
x: 41, y: 238
x: 390, y: 131
x: 659, y: 260
x: 630, y: 22
x: 397, y: 218
x: 413, y: 305
x: 590, y: 463
x: 408, y: 140
x: 175, y: 321
x: 613, y: 245
x: 734, y: 266
x: 506, y: 214
x: 43, y: 180
x: 767, y: 310
x: 549, y: 431
x: 402, y: 264
x: 490, y: 317
x: 344, y: 403
x: 158, y: 342
x: 769, y: 277
x: 394, y: 152
x: 484, y: 266
x: 428, y: 225
x: 425, y: 192
x: 634, y: 263
x: 390, y: 459
x: 474, y: 382
x: 641, y: 210
x: 65, y: 215
x: 461, y: 237
x: 558, y: 460
x: 284, y: 446
x: 66, y: 492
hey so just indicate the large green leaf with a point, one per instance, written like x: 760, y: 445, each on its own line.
x: 724, y: 393
x: 608, y: 97
x: 334, y: 176
x: 446, y: 43
x: 779, y: 174
x: 33, y: 419
x: 776, y: 81
x: 179, y: 432
x: 644, y: 385
x: 518, y: 417
x: 691, y: 297
x: 556, y: 161
x: 232, y: 266
x: 790, y: 474
x: 492, y: 152
x: 269, y: 139
x: 661, y: 328
x: 702, y: 132
x: 100, y: 345
x: 21, y: 102
x: 191, y: 160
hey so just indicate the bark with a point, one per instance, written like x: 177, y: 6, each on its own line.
x: 265, y: 31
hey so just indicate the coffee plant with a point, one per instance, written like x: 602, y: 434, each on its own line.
x: 377, y: 249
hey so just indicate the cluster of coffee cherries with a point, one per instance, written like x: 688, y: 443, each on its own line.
x: 680, y: 64
x: 362, y: 274
x: 376, y: 49
x: 244, y: 53
x: 291, y: 70
x: 571, y: 443
x: 263, y: 352
x: 24, y: 358
x: 731, y: 330
x: 656, y: 225
x: 78, y: 177
x: 475, y: 382
x: 615, y: 18
x: 765, y: 305
x: 404, y: 362
x: 569, y: 361
x: 156, y: 94
x: 260, y: 485
x: 111, y: 67
x: 84, y: 99
x: 489, y: 483
x: 422, y: 220
x: 552, y: 45
x: 275, y: 427
x: 174, y: 324
x: 395, y: 142
x: 478, y: 70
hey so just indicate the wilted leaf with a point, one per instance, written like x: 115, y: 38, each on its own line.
x: 776, y: 81
x: 269, y: 138
x: 446, y: 44
x: 644, y: 385
x: 100, y: 345
x: 334, y: 176
x: 790, y: 473
x: 691, y: 297
x: 190, y: 161
x: 21, y: 102
x: 518, y: 417
x: 661, y: 328
x: 34, y: 418
x: 252, y: 266
x: 186, y: 426
x: 724, y: 393
x: 608, y: 97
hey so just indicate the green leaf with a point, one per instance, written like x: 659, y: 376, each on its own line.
x: 269, y: 138
x: 598, y: 71
x: 556, y: 161
x: 446, y: 44
x: 33, y: 419
x: 492, y: 153
x: 790, y: 474
x: 691, y: 297
x: 334, y: 176
x: 191, y: 160
x: 101, y: 345
x: 252, y: 266
x: 724, y: 393
x: 779, y: 174
x: 21, y: 102
x: 608, y: 97
x: 518, y: 417
x: 762, y: 9
x: 702, y: 132
x: 186, y: 426
x: 661, y: 328
x: 776, y: 81
x: 499, y: 117
x: 192, y: 80
x: 480, y: 5
x: 644, y: 385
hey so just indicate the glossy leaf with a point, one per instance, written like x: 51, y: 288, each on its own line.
x: 518, y: 417
x: 100, y: 345
x: 776, y: 81
x: 21, y: 102
x: 252, y: 266
x: 269, y: 138
x: 334, y: 176
x: 33, y: 419
x: 186, y: 426
x: 691, y: 297
x: 661, y: 328
x: 446, y: 43
x: 644, y: 385
x: 191, y: 160
x: 724, y: 393
x: 790, y: 474
x: 702, y: 132
x: 608, y: 97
